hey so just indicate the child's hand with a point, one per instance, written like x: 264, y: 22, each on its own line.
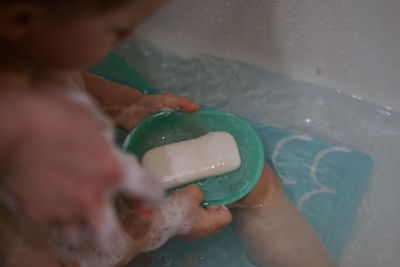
x: 128, y: 106
x: 204, y: 221
x: 178, y: 214
x: 60, y: 167
x: 130, y: 115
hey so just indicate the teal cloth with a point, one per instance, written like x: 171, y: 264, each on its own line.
x: 323, y: 180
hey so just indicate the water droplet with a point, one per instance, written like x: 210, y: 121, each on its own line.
x: 319, y: 69
x: 388, y: 107
x: 384, y: 112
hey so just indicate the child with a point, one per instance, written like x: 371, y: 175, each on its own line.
x: 63, y: 172
x: 65, y: 168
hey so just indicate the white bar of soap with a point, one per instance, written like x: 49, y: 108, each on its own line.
x: 176, y: 164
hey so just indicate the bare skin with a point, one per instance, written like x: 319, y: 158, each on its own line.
x: 128, y: 106
x: 45, y: 44
x: 36, y: 51
x: 274, y: 232
x: 27, y: 242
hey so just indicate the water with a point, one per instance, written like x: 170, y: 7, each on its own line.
x: 309, y: 109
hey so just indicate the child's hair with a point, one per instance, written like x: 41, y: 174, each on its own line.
x: 98, y: 4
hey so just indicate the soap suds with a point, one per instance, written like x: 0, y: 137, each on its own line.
x: 170, y: 220
x: 105, y: 249
x: 106, y: 244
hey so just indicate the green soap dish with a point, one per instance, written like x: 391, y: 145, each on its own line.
x: 168, y: 127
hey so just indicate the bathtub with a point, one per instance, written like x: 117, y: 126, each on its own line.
x: 348, y: 52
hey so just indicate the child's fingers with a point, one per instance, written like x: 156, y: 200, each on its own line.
x: 205, y: 221
x: 178, y: 103
x: 218, y: 217
x: 208, y: 221
x: 154, y: 103
x: 194, y: 191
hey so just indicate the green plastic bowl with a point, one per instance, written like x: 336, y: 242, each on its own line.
x: 168, y: 127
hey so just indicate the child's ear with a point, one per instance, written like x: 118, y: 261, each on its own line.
x: 17, y: 18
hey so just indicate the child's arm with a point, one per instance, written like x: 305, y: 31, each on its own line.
x: 108, y: 94
x: 127, y: 106
x: 274, y: 232
x: 179, y: 214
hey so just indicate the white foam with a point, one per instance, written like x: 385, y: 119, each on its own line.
x: 137, y: 181
x: 170, y: 220
x: 106, y: 244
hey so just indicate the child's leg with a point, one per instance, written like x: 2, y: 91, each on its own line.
x: 273, y: 230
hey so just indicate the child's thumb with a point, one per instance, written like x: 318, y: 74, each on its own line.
x: 178, y: 103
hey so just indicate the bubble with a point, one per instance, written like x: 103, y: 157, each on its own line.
x: 166, y: 259
x: 170, y: 220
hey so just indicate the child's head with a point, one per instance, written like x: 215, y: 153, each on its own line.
x: 68, y: 34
